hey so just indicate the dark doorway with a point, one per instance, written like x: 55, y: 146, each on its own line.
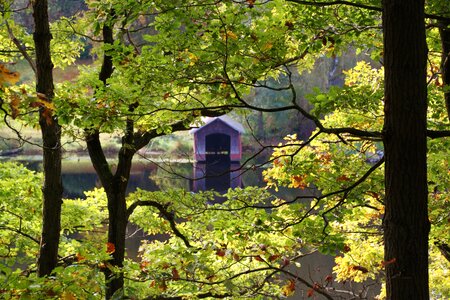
x: 217, y: 147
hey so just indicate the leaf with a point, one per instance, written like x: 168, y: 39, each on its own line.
x: 298, y: 181
x: 6, y: 76
x: 144, y: 264
x: 258, y: 258
x: 68, y: 296
x: 274, y: 257
x: 388, y: 262
x: 162, y: 286
x: 236, y: 257
x: 359, y: 268
x: 79, y: 257
x: 110, y: 248
x: 289, y: 288
x: 47, y: 115
x: 175, y: 274
x: 14, y: 104
x: 310, y: 293
x: 342, y: 178
x: 285, y: 261
x: 267, y: 46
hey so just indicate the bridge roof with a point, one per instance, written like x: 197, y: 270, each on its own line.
x: 226, y: 119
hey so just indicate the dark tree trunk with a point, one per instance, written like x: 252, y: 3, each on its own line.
x: 444, y: 32
x: 51, y: 136
x: 115, y: 185
x: 406, y: 224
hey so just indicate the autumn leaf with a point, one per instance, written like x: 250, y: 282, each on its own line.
x: 6, y: 76
x: 310, y: 293
x: 220, y: 252
x: 388, y: 262
x: 229, y: 34
x: 342, y: 178
x: 47, y: 115
x: 298, y: 181
x: 79, y: 257
x: 289, y: 288
x: 67, y: 296
x: 285, y: 261
x: 14, y: 105
x: 267, y: 46
x: 162, y: 286
x: 359, y: 268
x: 175, y: 274
x: 236, y: 257
x: 274, y: 257
x: 144, y: 264
x: 258, y: 258
x: 110, y: 248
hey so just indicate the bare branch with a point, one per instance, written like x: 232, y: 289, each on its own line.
x: 170, y: 216
x: 358, y: 5
x: 22, y: 49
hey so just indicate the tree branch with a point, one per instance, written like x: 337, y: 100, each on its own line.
x: 163, y: 210
x: 22, y: 49
x: 434, y: 134
x: 357, y: 5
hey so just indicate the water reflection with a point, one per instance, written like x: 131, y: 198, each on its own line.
x: 218, y: 176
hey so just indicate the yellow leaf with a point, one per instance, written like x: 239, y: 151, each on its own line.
x: 6, y: 76
x: 68, y: 296
x: 289, y: 288
x: 229, y: 34
x: 267, y: 46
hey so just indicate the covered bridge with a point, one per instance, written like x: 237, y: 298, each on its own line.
x: 218, y: 139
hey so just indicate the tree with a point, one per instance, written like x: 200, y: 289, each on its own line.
x: 203, y: 58
x: 406, y: 224
x: 51, y: 136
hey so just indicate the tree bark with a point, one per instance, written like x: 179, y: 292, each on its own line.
x: 51, y: 136
x: 115, y: 187
x: 406, y: 224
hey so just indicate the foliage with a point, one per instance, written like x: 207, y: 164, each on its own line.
x: 172, y: 62
x: 20, y: 227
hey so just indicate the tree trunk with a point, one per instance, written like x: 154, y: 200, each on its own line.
x: 51, y: 136
x: 444, y: 32
x: 115, y: 185
x: 406, y: 224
